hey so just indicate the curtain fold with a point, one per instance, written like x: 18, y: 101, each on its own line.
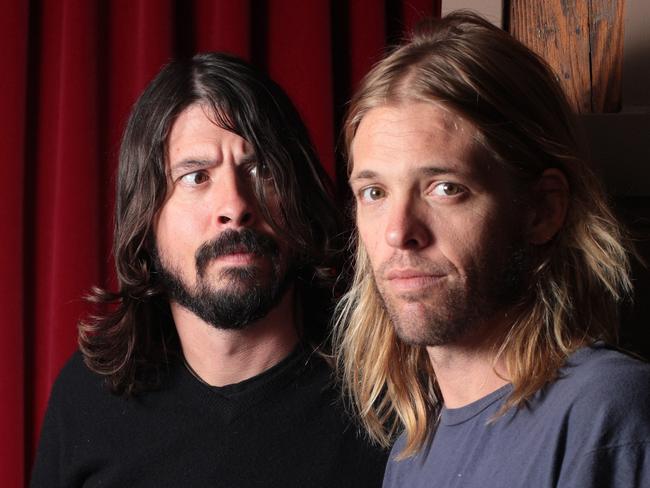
x: 14, y: 26
x: 235, y: 39
x: 72, y: 71
x: 64, y: 252
x: 298, y: 57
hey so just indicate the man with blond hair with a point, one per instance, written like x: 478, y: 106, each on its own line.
x: 488, y: 273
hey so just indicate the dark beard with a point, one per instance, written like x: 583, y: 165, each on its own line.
x: 252, y: 293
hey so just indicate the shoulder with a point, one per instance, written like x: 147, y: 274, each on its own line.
x: 603, y: 397
x: 73, y: 410
x: 607, y: 419
x: 316, y: 373
x: 605, y: 375
x: 336, y: 415
x: 74, y: 369
x: 76, y: 377
x: 78, y: 391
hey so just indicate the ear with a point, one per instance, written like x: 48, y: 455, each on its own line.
x: 549, y: 206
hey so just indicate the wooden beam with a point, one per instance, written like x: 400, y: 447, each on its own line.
x: 558, y: 30
x: 606, y: 41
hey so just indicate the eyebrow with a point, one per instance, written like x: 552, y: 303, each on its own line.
x: 192, y: 163
x: 423, y: 171
x: 248, y: 158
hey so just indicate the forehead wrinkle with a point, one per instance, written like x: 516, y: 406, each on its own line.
x: 448, y: 125
x: 196, y: 146
x: 451, y: 120
x: 192, y: 163
x: 446, y: 130
x: 222, y: 119
x: 427, y: 170
x: 197, y: 163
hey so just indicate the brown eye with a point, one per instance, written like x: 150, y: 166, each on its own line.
x: 448, y: 189
x: 261, y: 170
x: 195, y: 178
x: 372, y: 193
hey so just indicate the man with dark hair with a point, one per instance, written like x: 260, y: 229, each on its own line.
x: 489, y: 268
x: 206, y: 367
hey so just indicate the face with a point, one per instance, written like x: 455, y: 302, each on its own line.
x: 215, y: 253
x: 438, y: 220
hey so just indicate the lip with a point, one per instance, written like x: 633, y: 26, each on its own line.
x: 410, y: 273
x: 412, y: 279
x: 240, y: 258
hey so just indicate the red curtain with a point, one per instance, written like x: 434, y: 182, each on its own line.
x: 71, y: 69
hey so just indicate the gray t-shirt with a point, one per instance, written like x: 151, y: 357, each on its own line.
x: 590, y: 428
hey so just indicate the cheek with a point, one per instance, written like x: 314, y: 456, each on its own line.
x: 481, y: 241
x: 179, y: 233
x: 366, y: 230
x: 274, y: 208
x: 370, y: 236
x: 464, y: 240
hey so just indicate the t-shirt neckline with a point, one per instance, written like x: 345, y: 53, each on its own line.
x: 455, y: 416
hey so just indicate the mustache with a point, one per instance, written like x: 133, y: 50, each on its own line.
x: 233, y: 241
x: 411, y: 260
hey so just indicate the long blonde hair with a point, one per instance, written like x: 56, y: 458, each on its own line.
x: 524, y: 120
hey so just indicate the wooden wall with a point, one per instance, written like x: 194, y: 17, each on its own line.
x: 583, y: 43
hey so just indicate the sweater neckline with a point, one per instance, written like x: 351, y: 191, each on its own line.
x: 289, y: 367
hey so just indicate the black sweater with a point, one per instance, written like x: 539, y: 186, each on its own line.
x: 283, y: 428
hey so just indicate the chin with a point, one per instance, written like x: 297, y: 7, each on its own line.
x: 429, y: 327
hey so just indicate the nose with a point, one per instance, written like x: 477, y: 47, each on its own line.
x: 235, y: 200
x: 407, y: 228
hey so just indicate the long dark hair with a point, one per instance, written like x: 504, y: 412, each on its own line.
x: 134, y: 335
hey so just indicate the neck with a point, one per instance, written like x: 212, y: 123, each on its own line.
x: 222, y: 357
x: 468, y: 369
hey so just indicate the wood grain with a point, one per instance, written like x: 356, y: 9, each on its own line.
x: 582, y: 40
x: 606, y: 41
